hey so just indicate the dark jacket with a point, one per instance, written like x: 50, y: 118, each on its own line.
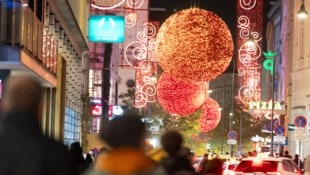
x: 25, y: 151
x: 178, y: 165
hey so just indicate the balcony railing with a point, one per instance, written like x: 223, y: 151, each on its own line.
x: 19, y: 26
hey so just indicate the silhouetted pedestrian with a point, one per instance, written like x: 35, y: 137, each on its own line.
x: 286, y: 154
x: 88, y: 160
x: 298, y: 161
x: 77, y: 159
x: 24, y: 150
x: 176, y: 162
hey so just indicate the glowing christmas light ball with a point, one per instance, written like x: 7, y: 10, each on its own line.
x: 211, y: 115
x: 194, y: 44
x: 180, y: 97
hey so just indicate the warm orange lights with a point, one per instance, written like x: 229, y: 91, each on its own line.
x: 194, y: 44
x: 178, y: 96
x: 211, y: 115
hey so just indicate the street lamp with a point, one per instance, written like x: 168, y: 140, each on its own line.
x: 250, y: 41
x: 302, y: 13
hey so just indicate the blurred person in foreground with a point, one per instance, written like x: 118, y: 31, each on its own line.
x: 78, y: 162
x: 24, y: 150
x: 178, y: 160
x: 126, y: 156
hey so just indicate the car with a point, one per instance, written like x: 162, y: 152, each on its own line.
x: 196, y: 163
x: 267, y: 166
x: 229, y: 167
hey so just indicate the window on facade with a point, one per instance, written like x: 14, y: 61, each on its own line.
x: 39, y: 9
x: 72, y: 127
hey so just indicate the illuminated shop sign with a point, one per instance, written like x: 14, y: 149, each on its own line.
x: 107, y: 28
x: 0, y: 88
x: 265, y: 105
x: 96, y: 109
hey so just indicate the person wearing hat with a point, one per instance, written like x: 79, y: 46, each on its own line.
x: 126, y: 137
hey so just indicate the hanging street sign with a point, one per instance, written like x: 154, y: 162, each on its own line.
x: 300, y: 134
x: 269, y: 62
x: 231, y: 142
x: 300, y: 121
x: 232, y: 135
x: 279, y: 129
x: 279, y: 139
x: 106, y: 28
x: 291, y: 127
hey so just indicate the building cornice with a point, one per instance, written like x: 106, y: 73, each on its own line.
x: 65, y: 16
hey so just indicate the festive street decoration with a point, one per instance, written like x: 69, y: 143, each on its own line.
x: 142, y: 48
x: 145, y: 91
x: 250, y: 24
x: 113, y: 4
x: 194, y: 44
x: 180, y: 97
x: 211, y: 115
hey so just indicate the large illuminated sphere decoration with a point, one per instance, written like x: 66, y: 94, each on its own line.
x: 211, y: 115
x: 194, y: 44
x: 180, y: 97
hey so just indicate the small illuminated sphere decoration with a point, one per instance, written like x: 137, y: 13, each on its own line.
x: 180, y: 97
x: 211, y: 115
x: 194, y: 44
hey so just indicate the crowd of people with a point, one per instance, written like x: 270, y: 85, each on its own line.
x: 25, y: 150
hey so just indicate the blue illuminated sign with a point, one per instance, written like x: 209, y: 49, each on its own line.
x: 107, y: 29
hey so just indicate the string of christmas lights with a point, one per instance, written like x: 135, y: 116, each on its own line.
x: 250, y: 19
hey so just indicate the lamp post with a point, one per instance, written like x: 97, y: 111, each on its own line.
x: 240, y: 135
x: 302, y: 12
x: 269, y: 65
x: 230, y: 129
x: 222, y: 132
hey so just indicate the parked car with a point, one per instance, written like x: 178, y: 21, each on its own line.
x: 267, y: 166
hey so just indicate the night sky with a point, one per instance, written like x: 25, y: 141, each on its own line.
x: 226, y: 9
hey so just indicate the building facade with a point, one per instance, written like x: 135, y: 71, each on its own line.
x: 288, y: 36
x: 47, y: 40
x: 300, y: 69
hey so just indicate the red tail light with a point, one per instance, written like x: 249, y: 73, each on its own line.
x: 299, y: 172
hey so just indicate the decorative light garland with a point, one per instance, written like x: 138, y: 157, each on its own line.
x: 111, y: 4
x: 141, y: 49
x: 145, y: 90
x: 249, y: 13
x: 131, y: 19
x: 194, y: 44
x: 178, y: 96
x: 98, y: 4
x: 211, y: 115
x: 135, y: 4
